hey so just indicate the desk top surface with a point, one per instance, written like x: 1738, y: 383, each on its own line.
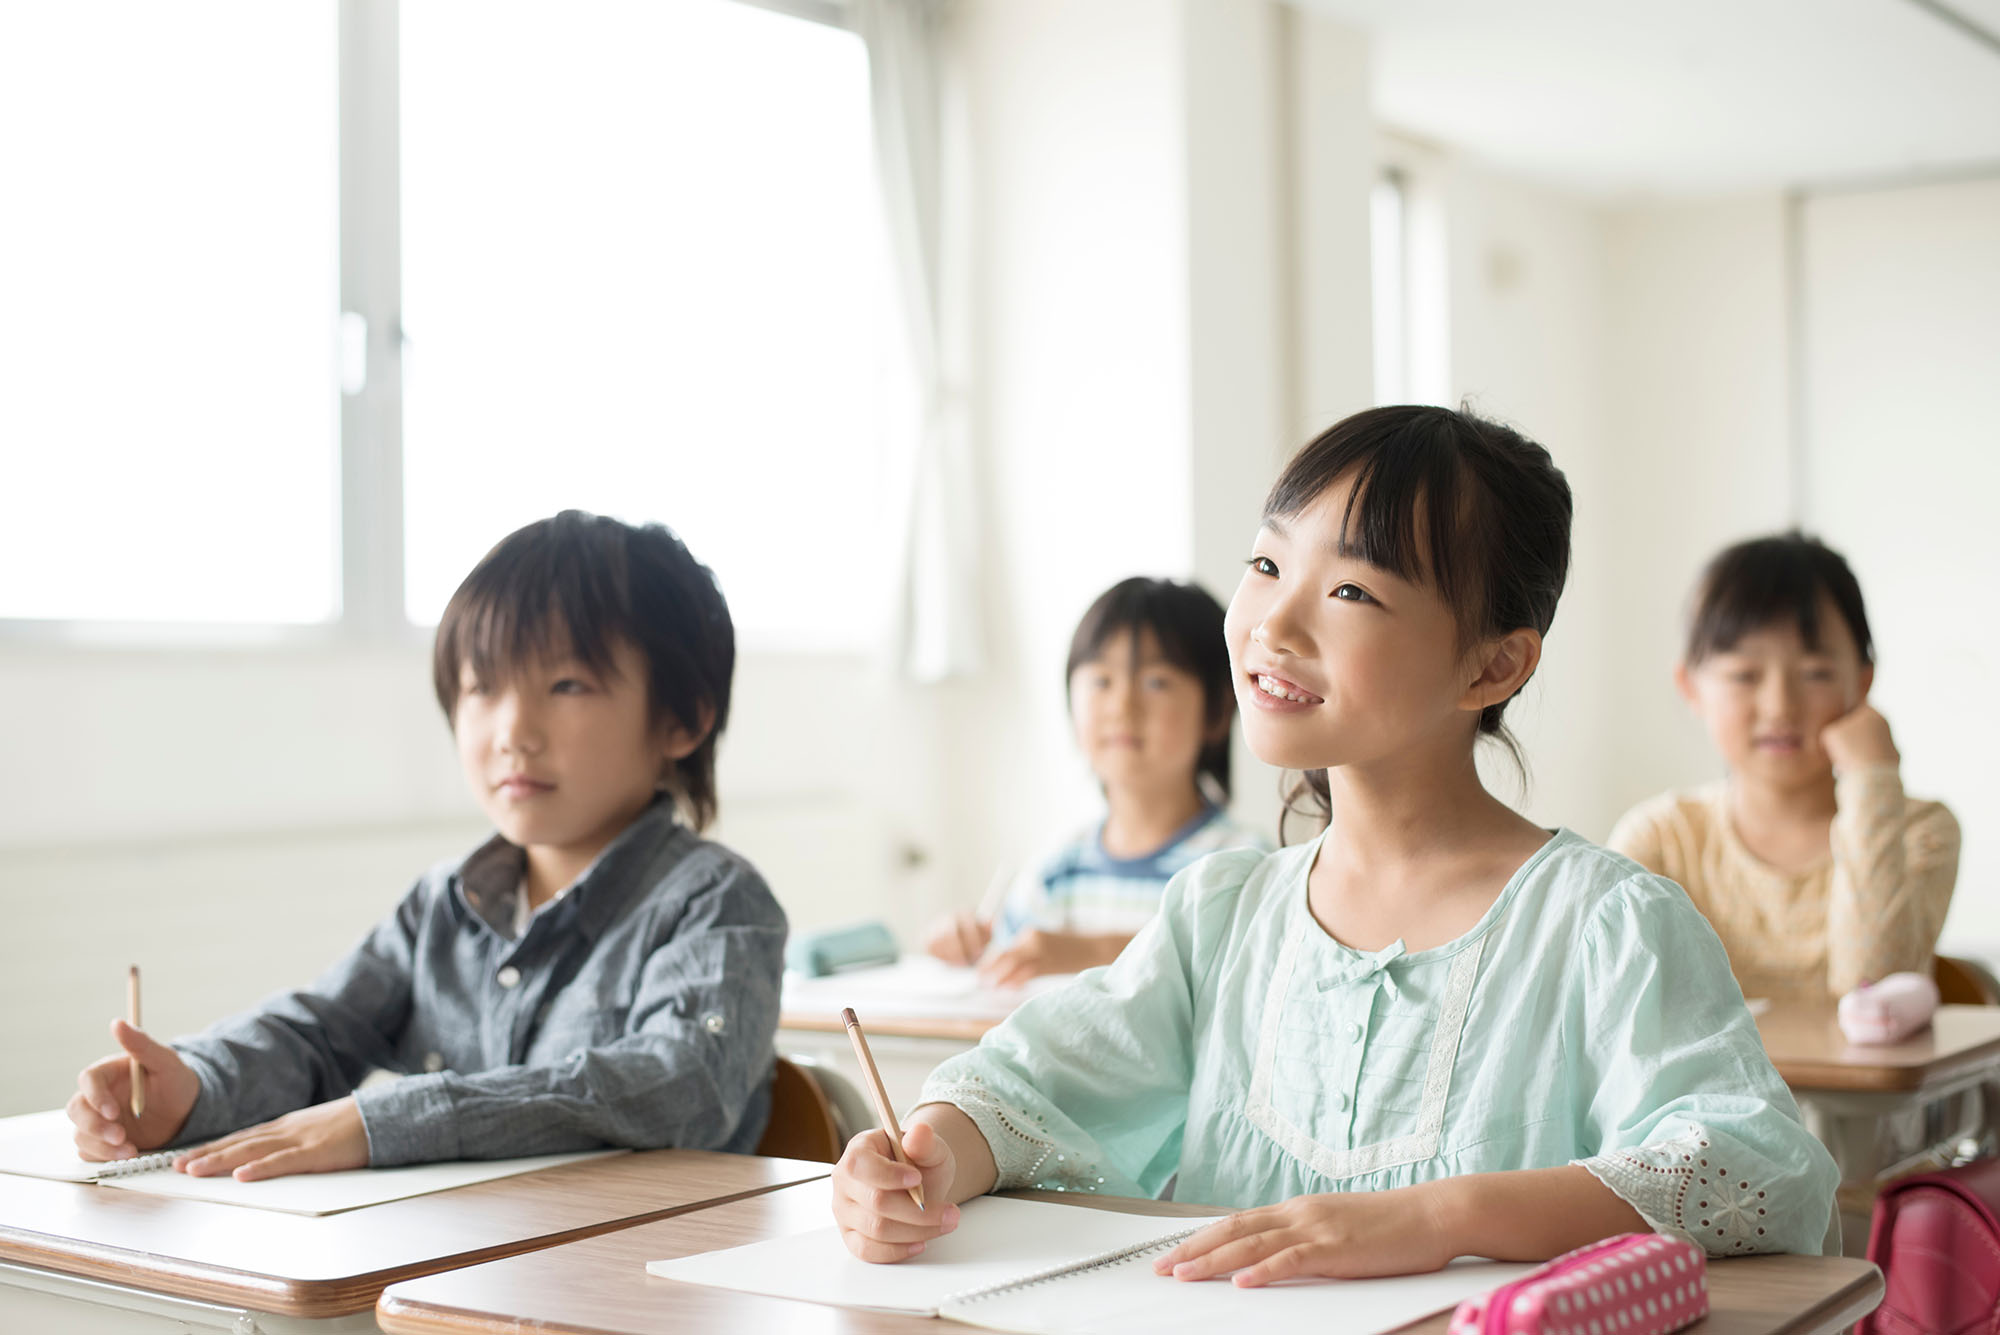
x: 1810, y: 1052
x: 329, y: 1265
x: 1802, y: 1038
x: 601, y: 1286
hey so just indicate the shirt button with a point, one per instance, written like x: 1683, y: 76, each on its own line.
x: 508, y: 976
x: 433, y: 1061
x: 713, y: 1022
x: 1353, y: 1031
x: 1340, y: 1102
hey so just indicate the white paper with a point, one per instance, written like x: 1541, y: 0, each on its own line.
x: 1128, y: 1296
x: 40, y: 1145
x: 914, y: 986
x: 997, y: 1240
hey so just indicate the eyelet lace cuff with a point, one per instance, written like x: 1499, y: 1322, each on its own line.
x: 1021, y: 1156
x: 1683, y: 1186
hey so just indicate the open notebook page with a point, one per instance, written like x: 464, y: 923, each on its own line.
x: 39, y: 1145
x: 1127, y: 1295
x: 997, y: 1240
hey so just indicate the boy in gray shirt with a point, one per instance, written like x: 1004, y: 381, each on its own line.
x: 594, y: 974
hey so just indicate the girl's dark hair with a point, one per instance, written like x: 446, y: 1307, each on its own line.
x: 1772, y: 581
x: 1468, y: 506
x: 1187, y: 622
x: 601, y: 581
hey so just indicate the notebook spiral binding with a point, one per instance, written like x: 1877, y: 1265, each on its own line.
x: 1098, y: 1262
x: 145, y: 1163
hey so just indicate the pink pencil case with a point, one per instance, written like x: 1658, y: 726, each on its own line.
x: 1634, y: 1284
x: 1888, y: 1011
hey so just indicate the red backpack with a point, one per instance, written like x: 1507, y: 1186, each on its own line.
x: 1937, y: 1238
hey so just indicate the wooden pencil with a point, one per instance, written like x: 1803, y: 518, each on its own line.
x: 880, y: 1094
x: 132, y: 1018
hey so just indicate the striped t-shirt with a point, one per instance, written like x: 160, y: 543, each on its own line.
x: 1084, y: 889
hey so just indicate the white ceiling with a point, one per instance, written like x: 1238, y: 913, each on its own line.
x: 1679, y: 97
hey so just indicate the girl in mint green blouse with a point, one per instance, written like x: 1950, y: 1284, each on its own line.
x: 1437, y: 1029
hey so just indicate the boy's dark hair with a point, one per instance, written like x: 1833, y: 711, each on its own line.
x: 601, y: 581
x: 1187, y: 622
x: 1472, y: 508
x: 1771, y: 581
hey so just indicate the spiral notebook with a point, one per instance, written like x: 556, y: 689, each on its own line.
x: 1049, y: 1269
x: 40, y: 1145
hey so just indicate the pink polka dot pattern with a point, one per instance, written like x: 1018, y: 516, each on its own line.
x: 1636, y: 1284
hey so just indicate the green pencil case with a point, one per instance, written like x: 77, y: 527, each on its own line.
x: 832, y: 949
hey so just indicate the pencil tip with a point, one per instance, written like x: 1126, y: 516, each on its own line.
x: 847, y: 1016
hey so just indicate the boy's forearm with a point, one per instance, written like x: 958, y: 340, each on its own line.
x: 977, y: 1174
x: 1527, y: 1215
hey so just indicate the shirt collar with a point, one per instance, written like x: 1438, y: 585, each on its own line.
x: 489, y: 880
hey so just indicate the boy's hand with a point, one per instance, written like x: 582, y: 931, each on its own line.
x: 1858, y: 738
x: 101, y: 1108
x: 959, y: 939
x: 1346, y: 1235
x: 871, y: 1194
x: 324, y: 1138
x: 1034, y: 953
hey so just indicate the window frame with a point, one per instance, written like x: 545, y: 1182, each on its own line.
x: 372, y: 341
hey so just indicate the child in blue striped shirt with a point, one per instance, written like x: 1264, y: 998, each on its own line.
x: 1151, y: 700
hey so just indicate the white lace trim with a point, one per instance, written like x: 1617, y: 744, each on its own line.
x: 1021, y: 1157
x: 1421, y: 1143
x: 1683, y: 1186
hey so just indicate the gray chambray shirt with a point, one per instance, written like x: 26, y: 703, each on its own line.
x: 639, y: 1009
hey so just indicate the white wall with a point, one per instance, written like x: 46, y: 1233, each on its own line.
x: 1901, y: 344
x: 1526, y: 270
x: 1697, y: 430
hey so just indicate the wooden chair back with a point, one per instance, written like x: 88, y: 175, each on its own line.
x: 802, y: 1122
x: 1963, y: 982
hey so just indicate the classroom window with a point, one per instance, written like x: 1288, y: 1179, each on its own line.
x: 1387, y: 250
x: 167, y: 340
x: 468, y: 263
x: 644, y: 274
x: 1411, y: 293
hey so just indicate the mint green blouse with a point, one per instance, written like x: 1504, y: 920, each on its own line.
x: 1239, y: 1054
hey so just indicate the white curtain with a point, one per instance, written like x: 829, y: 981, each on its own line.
x: 916, y: 154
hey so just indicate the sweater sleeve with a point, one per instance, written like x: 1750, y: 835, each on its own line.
x: 1893, y: 872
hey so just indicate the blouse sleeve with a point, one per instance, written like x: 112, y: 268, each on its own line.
x: 1693, y: 1127
x: 1893, y: 873
x: 1085, y: 1088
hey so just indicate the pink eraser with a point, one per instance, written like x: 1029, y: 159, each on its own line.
x: 1888, y: 1011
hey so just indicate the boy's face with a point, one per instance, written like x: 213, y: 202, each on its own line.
x: 561, y: 757
x: 1140, y: 721
x: 1767, y: 698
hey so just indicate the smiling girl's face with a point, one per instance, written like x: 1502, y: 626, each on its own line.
x: 1337, y: 661
x: 1766, y: 699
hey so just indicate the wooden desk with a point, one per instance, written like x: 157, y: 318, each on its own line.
x: 602, y: 1287
x: 215, y: 1266
x: 1884, y: 1111
x: 1961, y: 1047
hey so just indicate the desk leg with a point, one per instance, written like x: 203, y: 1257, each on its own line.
x: 44, y: 1300
x: 1876, y: 1137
